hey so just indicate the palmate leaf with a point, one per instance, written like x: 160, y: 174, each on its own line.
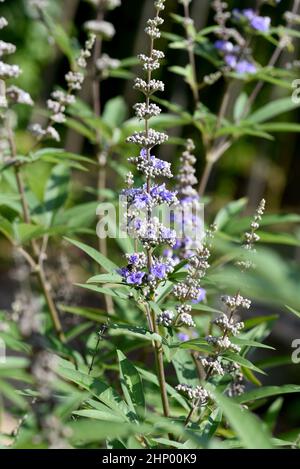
x: 131, y: 384
x: 152, y: 378
x: 98, y: 389
x: 247, y: 426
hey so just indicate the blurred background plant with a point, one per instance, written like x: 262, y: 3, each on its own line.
x: 63, y: 190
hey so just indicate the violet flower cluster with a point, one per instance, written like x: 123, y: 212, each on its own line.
x: 147, y: 269
x: 250, y: 18
x: 188, y: 218
x: 231, y: 43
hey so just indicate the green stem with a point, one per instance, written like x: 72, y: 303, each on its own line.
x: 160, y: 367
x: 38, y: 262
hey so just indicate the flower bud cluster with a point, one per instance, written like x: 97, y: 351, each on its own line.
x: 197, y: 394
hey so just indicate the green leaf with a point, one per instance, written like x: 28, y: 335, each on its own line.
x: 105, y: 278
x: 108, y: 416
x: 278, y: 238
x: 115, y: 111
x: 272, y: 109
x: 292, y: 310
x: 234, y: 357
x: 251, y: 377
x: 81, y: 129
x: 61, y: 37
x: 252, y: 322
x: 86, y: 431
x: 272, y: 413
x: 108, y: 265
x: 267, y: 391
x: 10, y: 393
x: 6, y: 228
x: 26, y: 232
x: 105, y: 291
x: 280, y: 127
x: 56, y: 192
x: 93, y: 314
x: 135, y: 331
x: 183, y: 71
x: 249, y: 343
x: 229, y: 211
x: 131, y: 385
x: 97, y: 388
x: 240, y: 106
x: 78, y: 216
x: 11, y: 200
x: 152, y: 378
x: 195, y: 344
x: 202, y: 307
x: 247, y: 426
x: 237, y: 226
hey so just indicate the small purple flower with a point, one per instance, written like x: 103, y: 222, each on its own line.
x: 137, y: 223
x: 167, y: 196
x: 249, y: 13
x: 143, y: 153
x: 230, y: 60
x: 135, y: 278
x: 261, y: 23
x: 159, y: 271
x: 141, y: 200
x: 224, y: 46
x: 159, y: 164
x: 201, y: 296
x: 183, y: 337
x: 244, y: 66
x: 168, y: 234
x: 124, y: 272
x: 133, y: 258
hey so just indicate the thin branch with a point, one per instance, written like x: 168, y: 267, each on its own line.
x: 190, y: 48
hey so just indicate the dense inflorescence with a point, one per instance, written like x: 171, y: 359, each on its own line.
x: 188, y: 219
x: 146, y: 270
x: 233, y: 42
